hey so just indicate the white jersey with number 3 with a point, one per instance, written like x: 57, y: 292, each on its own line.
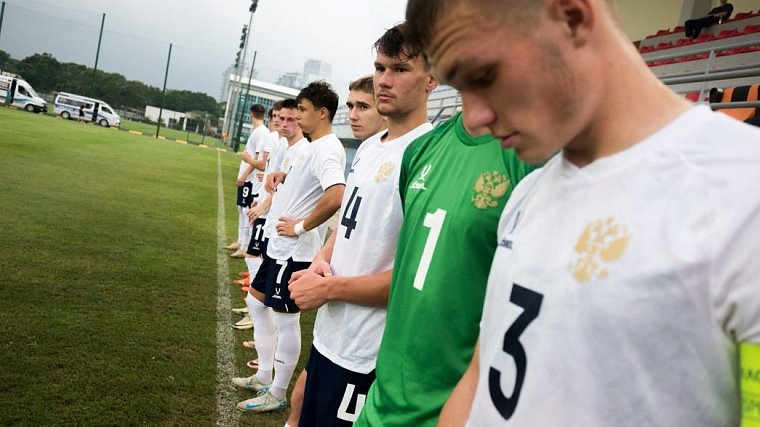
x: 619, y: 291
x: 349, y: 334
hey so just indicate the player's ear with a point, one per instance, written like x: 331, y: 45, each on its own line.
x: 431, y: 82
x: 578, y: 17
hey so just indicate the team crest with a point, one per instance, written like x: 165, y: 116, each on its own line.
x: 384, y: 171
x: 602, y: 242
x: 489, y: 188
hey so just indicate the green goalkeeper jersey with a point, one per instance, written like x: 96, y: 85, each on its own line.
x: 453, y: 188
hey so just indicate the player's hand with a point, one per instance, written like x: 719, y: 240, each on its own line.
x: 273, y: 180
x: 309, y: 290
x: 255, y: 212
x: 240, y: 181
x: 287, y: 226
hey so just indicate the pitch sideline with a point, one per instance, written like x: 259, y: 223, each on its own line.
x: 226, y: 414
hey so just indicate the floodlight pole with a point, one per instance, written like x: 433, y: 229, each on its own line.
x: 163, y: 92
x: 233, y: 114
x: 242, y: 107
x: 97, y: 52
x: 2, y: 13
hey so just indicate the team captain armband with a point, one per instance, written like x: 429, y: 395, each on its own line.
x: 749, y: 361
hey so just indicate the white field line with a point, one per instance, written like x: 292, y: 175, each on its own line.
x: 226, y: 413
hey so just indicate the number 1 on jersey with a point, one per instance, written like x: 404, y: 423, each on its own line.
x: 433, y: 221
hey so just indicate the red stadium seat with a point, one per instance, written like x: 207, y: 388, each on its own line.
x: 678, y: 29
x: 692, y: 96
x: 728, y: 33
x: 664, y: 45
x: 646, y: 49
x: 743, y: 15
x: 683, y: 42
x: 704, y: 38
x: 749, y: 29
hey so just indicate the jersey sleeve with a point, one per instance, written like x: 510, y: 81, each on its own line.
x: 329, y: 165
x: 268, y: 143
x: 736, y: 277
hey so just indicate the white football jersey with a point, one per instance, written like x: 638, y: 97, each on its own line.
x: 264, y: 142
x: 370, y: 219
x: 318, y: 166
x: 276, y: 156
x: 619, y: 291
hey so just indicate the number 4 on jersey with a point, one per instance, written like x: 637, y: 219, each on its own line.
x: 350, y: 221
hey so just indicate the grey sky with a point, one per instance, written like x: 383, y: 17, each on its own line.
x: 205, y: 34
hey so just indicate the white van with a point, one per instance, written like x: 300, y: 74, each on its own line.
x: 67, y: 105
x: 20, y: 94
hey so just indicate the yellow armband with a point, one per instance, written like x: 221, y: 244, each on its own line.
x: 749, y: 362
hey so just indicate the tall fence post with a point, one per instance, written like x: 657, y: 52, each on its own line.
x: 163, y: 92
x: 2, y: 13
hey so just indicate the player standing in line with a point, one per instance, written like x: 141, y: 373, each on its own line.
x: 365, y: 121
x: 351, y: 276
x: 311, y: 192
x: 244, y: 182
x: 626, y: 281
x: 453, y: 186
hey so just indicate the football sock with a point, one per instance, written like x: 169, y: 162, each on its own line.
x: 265, y: 336
x: 288, y: 350
x: 253, y: 266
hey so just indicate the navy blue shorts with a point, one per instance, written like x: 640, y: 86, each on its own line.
x: 258, y: 241
x: 272, y: 281
x: 334, y: 396
x: 245, y: 195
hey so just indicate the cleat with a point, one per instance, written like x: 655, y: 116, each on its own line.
x: 264, y: 403
x: 249, y: 345
x: 243, y: 310
x: 251, y: 383
x: 245, y: 321
x: 242, y: 282
x: 238, y: 254
x: 232, y: 246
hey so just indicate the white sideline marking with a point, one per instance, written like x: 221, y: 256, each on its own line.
x: 226, y: 414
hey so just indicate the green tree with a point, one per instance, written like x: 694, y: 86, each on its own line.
x: 41, y: 70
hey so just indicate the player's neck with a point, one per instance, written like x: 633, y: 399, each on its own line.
x: 400, y: 126
x: 294, y: 140
x: 323, y: 129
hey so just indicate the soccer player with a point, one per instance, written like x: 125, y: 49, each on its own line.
x: 365, y: 121
x: 244, y: 182
x: 453, y: 185
x: 626, y: 279
x: 310, y: 193
x: 351, y: 276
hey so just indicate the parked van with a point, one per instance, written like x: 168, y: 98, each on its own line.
x: 67, y: 106
x: 19, y: 93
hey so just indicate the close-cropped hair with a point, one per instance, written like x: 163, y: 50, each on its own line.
x: 258, y: 111
x: 289, y: 103
x: 362, y: 84
x: 322, y: 95
x: 396, y: 43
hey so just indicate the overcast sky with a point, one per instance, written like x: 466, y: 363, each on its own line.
x: 205, y: 34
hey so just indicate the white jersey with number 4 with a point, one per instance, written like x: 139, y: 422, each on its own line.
x: 619, y: 291
x: 370, y: 219
x: 317, y: 167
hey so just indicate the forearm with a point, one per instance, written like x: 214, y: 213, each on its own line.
x: 371, y: 290
x: 325, y: 254
x: 258, y: 164
x: 326, y: 207
x: 457, y: 408
x: 246, y: 173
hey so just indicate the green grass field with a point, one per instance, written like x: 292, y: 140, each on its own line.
x: 108, y: 265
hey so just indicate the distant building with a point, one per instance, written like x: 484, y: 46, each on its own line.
x: 292, y: 79
x: 259, y: 92
x: 314, y: 69
x: 169, y: 118
x: 224, y: 93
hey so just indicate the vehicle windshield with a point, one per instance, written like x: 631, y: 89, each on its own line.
x: 32, y: 92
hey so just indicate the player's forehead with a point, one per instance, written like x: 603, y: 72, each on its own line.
x: 360, y: 96
x: 287, y: 113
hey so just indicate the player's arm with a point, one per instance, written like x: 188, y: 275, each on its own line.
x: 259, y: 209
x: 310, y: 290
x: 256, y: 164
x: 326, y: 207
x: 457, y: 408
x: 274, y: 179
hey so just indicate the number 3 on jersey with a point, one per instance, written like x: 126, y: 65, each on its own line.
x: 530, y: 302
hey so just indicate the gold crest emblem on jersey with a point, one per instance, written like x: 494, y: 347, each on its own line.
x: 602, y: 241
x: 384, y: 171
x: 489, y: 188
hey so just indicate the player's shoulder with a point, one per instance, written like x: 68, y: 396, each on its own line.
x: 426, y: 140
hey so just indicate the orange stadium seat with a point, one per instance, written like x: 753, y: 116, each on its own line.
x: 738, y: 94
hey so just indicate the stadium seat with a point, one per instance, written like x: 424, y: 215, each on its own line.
x: 678, y: 29
x: 664, y: 45
x: 738, y: 94
x: 743, y: 15
x: 692, y: 96
x: 704, y: 38
x: 749, y: 29
x: 646, y: 49
x: 729, y: 33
